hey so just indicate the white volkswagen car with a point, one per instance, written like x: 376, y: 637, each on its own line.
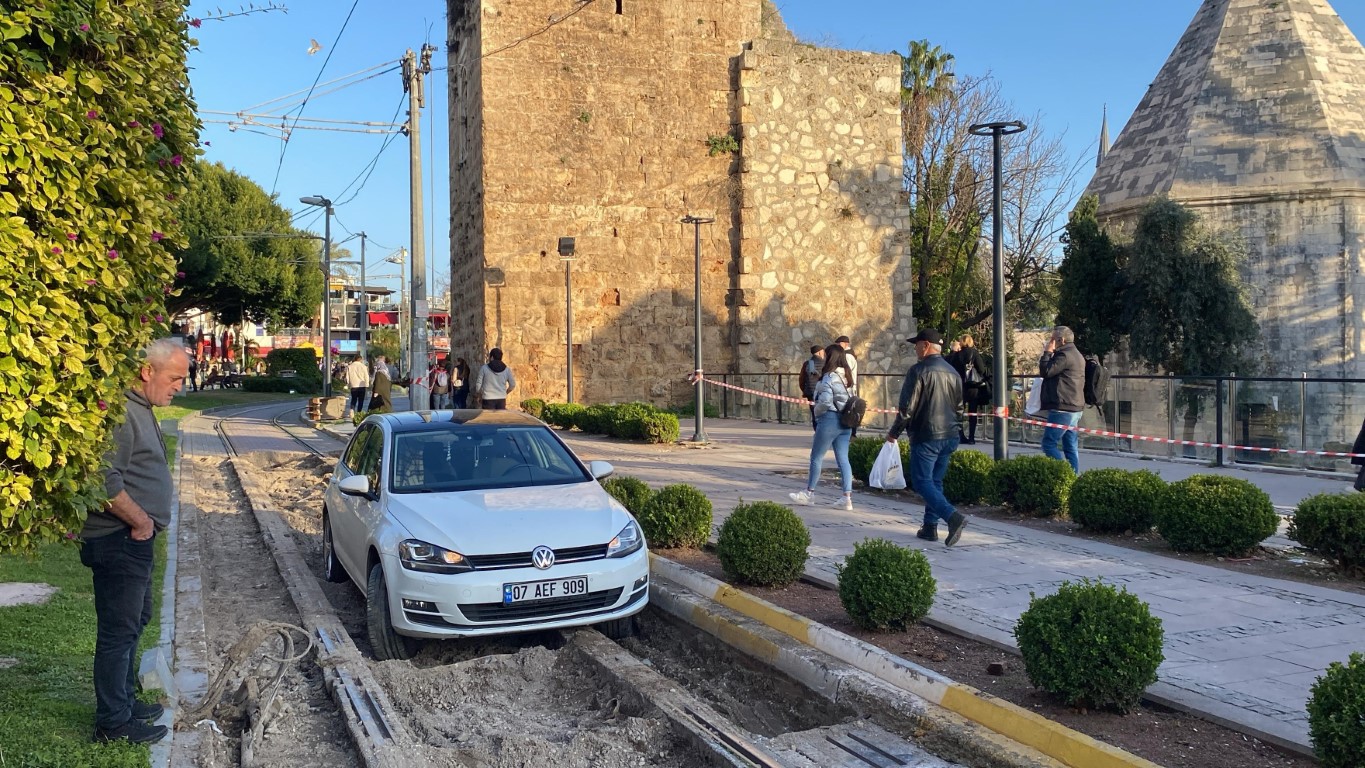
x: 468, y: 522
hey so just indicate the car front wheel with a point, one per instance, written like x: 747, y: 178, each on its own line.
x: 388, y: 645
x: 619, y: 629
x: 332, y: 570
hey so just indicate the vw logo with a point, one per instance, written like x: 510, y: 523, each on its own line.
x: 542, y: 557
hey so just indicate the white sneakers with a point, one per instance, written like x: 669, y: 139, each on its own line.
x: 804, y: 497
x: 845, y: 503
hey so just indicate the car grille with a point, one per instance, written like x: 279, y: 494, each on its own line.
x: 497, y: 612
x: 523, y: 559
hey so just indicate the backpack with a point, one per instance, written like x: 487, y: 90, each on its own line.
x: 810, y: 376
x: 851, y: 415
x: 1096, y: 381
x: 442, y: 378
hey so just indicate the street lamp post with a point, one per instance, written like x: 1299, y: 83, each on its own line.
x: 326, y: 206
x: 699, y: 433
x: 566, y: 248
x: 1001, y: 365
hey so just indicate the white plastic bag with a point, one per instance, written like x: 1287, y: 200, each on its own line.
x: 886, y: 470
x: 1034, y: 406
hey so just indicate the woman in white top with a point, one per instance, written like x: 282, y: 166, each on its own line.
x: 831, y: 393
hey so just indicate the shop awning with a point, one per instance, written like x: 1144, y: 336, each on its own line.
x: 383, y: 318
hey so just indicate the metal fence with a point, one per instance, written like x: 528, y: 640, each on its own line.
x: 1295, y: 413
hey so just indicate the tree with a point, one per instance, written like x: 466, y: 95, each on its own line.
x: 1184, y: 305
x: 384, y: 341
x: 99, y: 131
x: 233, y: 270
x: 1090, y: 297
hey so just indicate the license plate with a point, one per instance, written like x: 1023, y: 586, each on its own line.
x: 544, y: 590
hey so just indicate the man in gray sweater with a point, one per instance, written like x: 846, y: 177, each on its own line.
x: 117, y: 545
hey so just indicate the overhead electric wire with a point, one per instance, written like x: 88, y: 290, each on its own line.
x: 374, y: 162
x: 553, y: 22
x: 285, y: 147
x: 257, y: 107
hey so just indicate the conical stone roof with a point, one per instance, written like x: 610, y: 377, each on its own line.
x: 1258, y: 98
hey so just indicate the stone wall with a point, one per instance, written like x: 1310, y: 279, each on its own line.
x: 596, y: 127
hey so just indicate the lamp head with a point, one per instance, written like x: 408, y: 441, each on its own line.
x: 566, y: 246
x: 315, y: 200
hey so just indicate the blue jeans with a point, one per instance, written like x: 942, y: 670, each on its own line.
x: 1067, y: 437
x: 928, y: 465
x: 828, y: 432
x: 440, y: 401
x: 122, y: 572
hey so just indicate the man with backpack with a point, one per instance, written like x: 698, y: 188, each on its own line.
x: 1062, y: 369
x: 810, y: 376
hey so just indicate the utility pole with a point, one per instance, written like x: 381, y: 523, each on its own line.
x: 364, y: 302
x: 413, y: 73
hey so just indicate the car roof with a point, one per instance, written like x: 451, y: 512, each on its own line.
x: 446, y: 420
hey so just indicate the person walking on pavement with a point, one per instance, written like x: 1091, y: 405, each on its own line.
x: 1062, y: 368
x: 440, y: 386
x: 116, y: 545
x: 833, y: 390
x: 976, y: 388
x: 852, y: 361
x: 494, y: 382
x: 461, y: 383
x: 381, y: 391
x: 358, y: 379
x: 928, y: 413
x: 810, y: 376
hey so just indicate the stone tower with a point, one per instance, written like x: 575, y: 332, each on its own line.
x: 609, y: 121
x: 1257, y: 121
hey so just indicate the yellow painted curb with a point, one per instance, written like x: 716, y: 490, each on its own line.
x: 1051, y: 738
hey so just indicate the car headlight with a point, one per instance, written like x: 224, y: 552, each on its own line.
x: 627, y: 541
x: 421, y: 556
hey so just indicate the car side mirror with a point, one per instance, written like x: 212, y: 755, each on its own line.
x: 600, y: 469
x: 355, y: 485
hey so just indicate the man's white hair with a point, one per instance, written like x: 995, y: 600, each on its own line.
x: 162, y: 351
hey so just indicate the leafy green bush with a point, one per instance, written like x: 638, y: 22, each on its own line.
x: 886, y: 586
x: 1216, y: 515
x: 1035, y: 485
x: 1116, y: 500
x: 99, y: 136
x: 763, y: 543
x: 302, y: 361
x: 594, y: 419
x: 277, y: 384
x: 626, y: 421
x: 562, y: 415
x: 968, y: 479
x: 534, y: 406
x: 661, y: 427
x: 677, y: 516
x: 632, y: 492
x: 1336, y: 714
x: 1333, y: 525
x: 1091, y: 645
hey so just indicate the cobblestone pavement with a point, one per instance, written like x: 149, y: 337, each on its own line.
x: 1242, y: 650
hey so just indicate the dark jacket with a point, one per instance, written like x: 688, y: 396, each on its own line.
x: 137, y: 464
x: 929, y: 399
x: 1359, y: 446
x: 1063, y: 373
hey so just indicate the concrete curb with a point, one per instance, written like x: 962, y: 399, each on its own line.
x: 1052, y: 739
x: 154, y: 669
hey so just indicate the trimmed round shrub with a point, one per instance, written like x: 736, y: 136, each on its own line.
x: 1333, y: 525
x: 595, y: 419
x: 1116, y: 500
x: 862, y: 451
x: 968, y: 479
x: 1216, y: 515
x: 677, y: 516
x: 886, y: 586
x: 632, y: 492
x: 1336, y: 714
x: 1034, y: 485
x: 1090, y: 645
x: 626, y: 421
x: 562, y: 415
x: 763, y: 543
x: 534, y: 406
x: 660, y: 427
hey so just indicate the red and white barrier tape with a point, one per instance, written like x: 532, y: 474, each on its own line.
x: 1005, y: 412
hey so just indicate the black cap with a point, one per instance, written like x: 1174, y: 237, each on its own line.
x: 842, y: 340
x: 815, y: 348
x: 928, y: 334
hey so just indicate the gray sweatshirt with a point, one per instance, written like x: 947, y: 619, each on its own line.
x: 137, y: 464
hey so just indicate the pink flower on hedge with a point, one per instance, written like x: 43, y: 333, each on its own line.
x: 157, y: 130
x: 144, y: 319
x: 71, y: 235
x: 208, y: 143
x: 147, y: 299
x: 92, y: 114
x: 156, y: 236
x: 196, y: 23
x: 112, y: 254
x: 85, y: 27
x: 134, y: 124
x: 160, y: 318
x: 103, y: 405
x: 175, y: 160
x: 180, y: 275
x: 90, y: 282
x: 56, y: 249
x: 166, y: 290
x: 161, y: 163
x: 170, y: 197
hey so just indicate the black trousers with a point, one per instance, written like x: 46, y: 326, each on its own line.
x: 358, y: 398
x: 122, y: 572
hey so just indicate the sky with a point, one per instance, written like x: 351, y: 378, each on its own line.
x: 1063, y: 61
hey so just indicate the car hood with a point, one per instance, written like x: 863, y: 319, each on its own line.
x: 504, y: 520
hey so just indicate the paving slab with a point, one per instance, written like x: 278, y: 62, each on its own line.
x: 1216, y: 620
x: 25, y: 593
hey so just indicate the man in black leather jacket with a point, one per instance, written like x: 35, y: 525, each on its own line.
x: 928, y: 412
x: 1062, y: 368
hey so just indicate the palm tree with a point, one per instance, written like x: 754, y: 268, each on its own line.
x: 926, y: 78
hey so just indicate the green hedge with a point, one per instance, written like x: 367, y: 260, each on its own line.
x: 1091, y: 645
x: 968, y: 479
x: 632, y: 492
x: 1336, y: 714
x: 1333, y: 525
x: 277, y: 384
x: 562, y: 415
x: 99, y: 139
x: 1034, y: 485
x: 763, y: 543
x: 1215, y: 515
x: 533, y: 406
x: 677, y: 516
x: 883, y: 585
x: 1116, y: 500
x: 629, y: 421
x: 303, y: 362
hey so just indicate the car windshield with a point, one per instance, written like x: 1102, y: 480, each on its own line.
x: 478, y: 456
